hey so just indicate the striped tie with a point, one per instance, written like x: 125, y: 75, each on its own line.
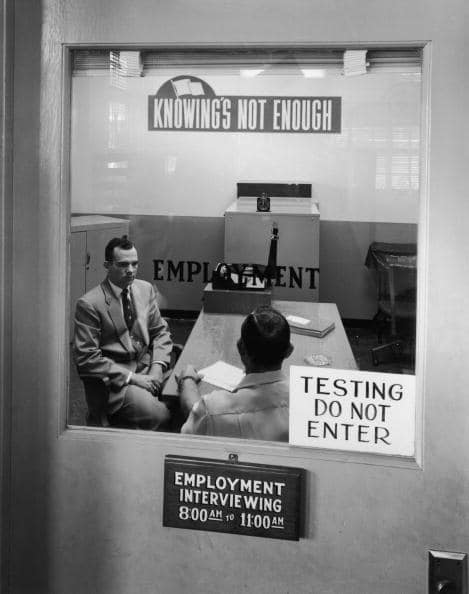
x: 127, y: 307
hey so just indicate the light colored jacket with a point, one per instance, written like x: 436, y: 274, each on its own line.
x: 103, y: 346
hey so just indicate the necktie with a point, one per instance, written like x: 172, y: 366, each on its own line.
x: 271, y: 269
x: 127, y: 307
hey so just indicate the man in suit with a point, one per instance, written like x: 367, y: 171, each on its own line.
x: 122, y: 345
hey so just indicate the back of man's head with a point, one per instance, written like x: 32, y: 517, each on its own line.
x: 265, y: 337
x: 123, y: 243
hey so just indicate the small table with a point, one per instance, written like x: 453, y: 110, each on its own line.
x: 391, y: 255
x: 387, y: 259
x: 215, y: 335
x: 394, y: 262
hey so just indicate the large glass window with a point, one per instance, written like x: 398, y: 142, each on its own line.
x: 173, y: 148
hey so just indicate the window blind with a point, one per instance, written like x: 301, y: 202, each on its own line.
x: 141, y: 62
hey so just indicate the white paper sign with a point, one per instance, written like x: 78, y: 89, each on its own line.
x: 352, y: 410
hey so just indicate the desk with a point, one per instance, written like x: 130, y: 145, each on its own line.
x: 214, y: 337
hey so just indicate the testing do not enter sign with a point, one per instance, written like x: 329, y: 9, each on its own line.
x: 352, y: 410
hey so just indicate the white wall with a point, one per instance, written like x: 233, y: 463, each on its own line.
x: 368, y: 172
x: 87, y: 506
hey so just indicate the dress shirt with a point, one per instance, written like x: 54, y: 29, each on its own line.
x: 257, y: 409
x: 118, y: 293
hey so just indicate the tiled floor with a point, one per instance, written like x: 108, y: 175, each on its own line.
x: 362, y: 339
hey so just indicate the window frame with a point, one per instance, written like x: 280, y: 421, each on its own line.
x: 218, y: 446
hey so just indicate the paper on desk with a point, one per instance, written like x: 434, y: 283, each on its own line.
x: 223, y: 375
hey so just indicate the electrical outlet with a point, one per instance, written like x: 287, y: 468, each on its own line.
x: 447, y: 573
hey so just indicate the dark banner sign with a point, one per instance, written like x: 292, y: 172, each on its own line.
x: 278, y: 189
x: 239, y: 498
x: 187, y: 103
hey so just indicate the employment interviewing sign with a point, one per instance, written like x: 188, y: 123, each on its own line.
x: 239, y: 498
x: 352, y: 410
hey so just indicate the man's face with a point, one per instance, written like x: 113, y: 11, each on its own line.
x: 123, y: 268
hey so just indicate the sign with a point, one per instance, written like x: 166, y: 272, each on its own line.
x: 239, y: 498
x: 188, y: 271
x: 180, y: 262
x: 352, y: 410
x: 187, y: 103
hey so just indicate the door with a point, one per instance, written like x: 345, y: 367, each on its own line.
x: 85, y: 506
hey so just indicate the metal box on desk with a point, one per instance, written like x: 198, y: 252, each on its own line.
x: 233, y: 300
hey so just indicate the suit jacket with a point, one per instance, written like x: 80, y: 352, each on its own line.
x: 103, y: 346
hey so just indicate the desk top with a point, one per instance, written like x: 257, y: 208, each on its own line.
x: 214, y: 337
x: 286, y: 206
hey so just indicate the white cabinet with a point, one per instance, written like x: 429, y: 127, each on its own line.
x: 89, y: 237
x: 247, y: 241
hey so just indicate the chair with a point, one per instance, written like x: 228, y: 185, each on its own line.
x: 97, y: 394
x: 396, y: 267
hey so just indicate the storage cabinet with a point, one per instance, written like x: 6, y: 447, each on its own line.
x: 247, y: 241
x: 88, y: 239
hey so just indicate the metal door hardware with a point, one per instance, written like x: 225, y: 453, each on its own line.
x: 447, y: 573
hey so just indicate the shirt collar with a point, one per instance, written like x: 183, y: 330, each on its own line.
x: 256, y: 379
x: 117, y: 290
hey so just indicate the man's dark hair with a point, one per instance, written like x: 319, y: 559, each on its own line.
x: 265, y: 334
x: 123, y: 243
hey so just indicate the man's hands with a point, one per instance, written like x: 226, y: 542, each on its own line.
x: 152, y: 383
x: 187, y: 380
x: 189, y: 371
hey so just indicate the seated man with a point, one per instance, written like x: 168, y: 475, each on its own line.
x: 122, y: 344
x: 258, y: 408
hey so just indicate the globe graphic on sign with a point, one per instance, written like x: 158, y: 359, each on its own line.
x: 185, y: 86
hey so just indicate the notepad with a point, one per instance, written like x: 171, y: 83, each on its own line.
x: 222, y: 375
x: 316, y: 326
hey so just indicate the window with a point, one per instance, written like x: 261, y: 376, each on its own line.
x: 167, y: 146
